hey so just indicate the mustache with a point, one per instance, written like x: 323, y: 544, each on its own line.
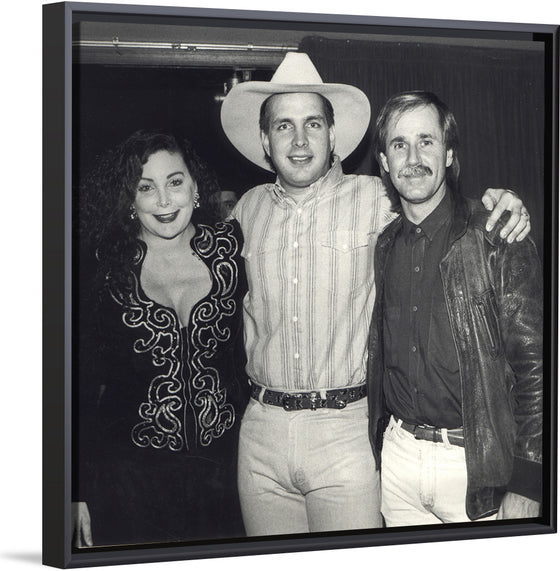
x: 415, y: 170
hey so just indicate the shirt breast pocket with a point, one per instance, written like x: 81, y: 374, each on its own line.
x: 345, y: 261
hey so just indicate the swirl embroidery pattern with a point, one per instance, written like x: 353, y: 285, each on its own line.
x: 163, y: 413
x: 161, y: 425
x: 213, y: 413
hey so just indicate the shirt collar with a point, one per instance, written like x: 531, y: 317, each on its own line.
x: 433, y: 222
x: 327, y: 183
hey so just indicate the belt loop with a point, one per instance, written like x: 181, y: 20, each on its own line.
x: 445, y: 438
x: 261, y: 395
x: 398, y: 429
x: 394, y: 426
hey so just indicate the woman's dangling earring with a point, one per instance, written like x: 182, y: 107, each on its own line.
x: 133, y: 214
x: 196, y: 200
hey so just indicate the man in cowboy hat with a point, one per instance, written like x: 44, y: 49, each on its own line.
x: 305, y: 461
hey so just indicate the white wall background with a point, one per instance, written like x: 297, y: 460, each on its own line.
x: 20, y: 304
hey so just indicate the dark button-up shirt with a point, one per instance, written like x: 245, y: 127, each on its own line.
x: 422, y: 382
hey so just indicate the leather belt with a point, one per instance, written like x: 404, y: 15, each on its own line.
x: 433, y: 434
x: 309, y: 400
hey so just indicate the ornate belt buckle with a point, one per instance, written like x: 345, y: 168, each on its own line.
x: 314, y: 400
x: 286, y: 404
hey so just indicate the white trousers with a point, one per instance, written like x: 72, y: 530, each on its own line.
x: 422, y: 482
x: 306, y: 471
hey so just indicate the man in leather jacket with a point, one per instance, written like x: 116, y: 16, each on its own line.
x: 455, y: 352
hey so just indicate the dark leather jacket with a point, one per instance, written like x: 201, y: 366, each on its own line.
x: 493, y: 293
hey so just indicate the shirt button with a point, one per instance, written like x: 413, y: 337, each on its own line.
x: 417, y: 269
x: 295, y: 280
x: 296, y: 244
x: 296, y: 356
x: 295, y: 318
x: 299, y: 210
x: 418, y: 230
x: 414, y: 349
x: 414, y: 308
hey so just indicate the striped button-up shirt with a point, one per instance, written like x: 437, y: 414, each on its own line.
x: 311, y: 280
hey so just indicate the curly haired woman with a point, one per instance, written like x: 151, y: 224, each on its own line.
x: 160, y: 362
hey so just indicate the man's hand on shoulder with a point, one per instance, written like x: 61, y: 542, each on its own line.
x: 498, y: 200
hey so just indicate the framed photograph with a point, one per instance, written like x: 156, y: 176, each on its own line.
x: 155, y: 362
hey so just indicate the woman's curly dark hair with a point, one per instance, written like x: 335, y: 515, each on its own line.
x: 108, y: 192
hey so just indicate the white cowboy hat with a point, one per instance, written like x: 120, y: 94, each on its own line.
x: 296, y: 74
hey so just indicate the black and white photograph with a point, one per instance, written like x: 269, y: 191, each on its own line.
x: 299, y: 283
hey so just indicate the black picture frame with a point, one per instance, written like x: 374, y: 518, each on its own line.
x: 58, y: 38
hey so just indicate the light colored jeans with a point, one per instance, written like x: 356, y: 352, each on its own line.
x: 422, y: 482
x: 305, y: 471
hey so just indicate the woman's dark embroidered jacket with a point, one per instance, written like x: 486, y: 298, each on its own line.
x: 493, y: 293
x: 151, y: 391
